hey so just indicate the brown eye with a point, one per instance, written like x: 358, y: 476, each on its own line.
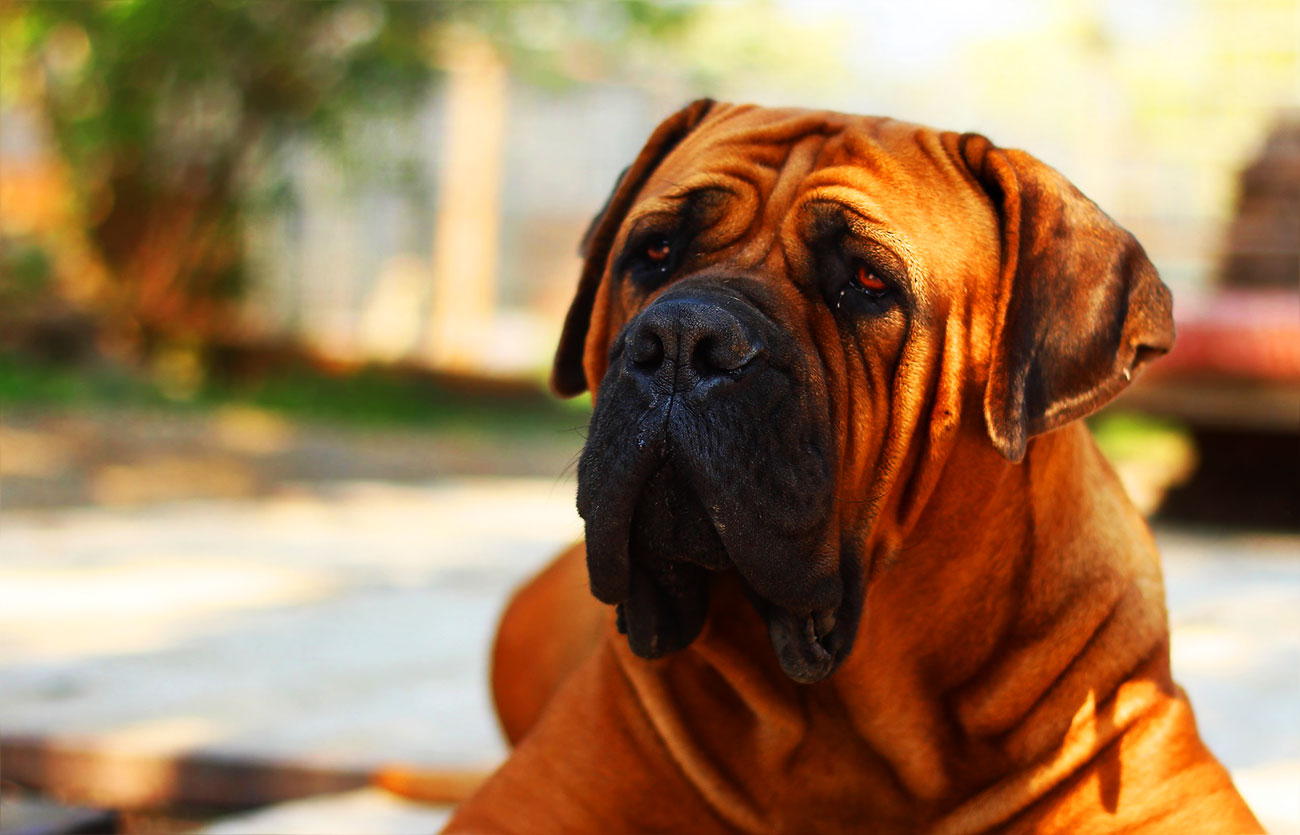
x: 659, y: 250
x: 869, y: 281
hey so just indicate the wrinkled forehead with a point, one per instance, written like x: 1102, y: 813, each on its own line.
x: 770, y: 163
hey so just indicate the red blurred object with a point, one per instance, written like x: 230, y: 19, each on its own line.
x: 1233, y: 376
x: 1251, y: 334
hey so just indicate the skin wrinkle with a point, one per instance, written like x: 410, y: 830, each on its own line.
x: 743, y: 204
x: 1096, y: 638
x: 868, y: 156
x: 867, y: 225
x: 754, y: 690
x: 1016, y: 566
x: 935, y: 146
x: 900, y: 426
x: 877, y: 423
x: 795, y: 167
x: 788, y: 126
x: 912, y: 458
x: 903, y: 416
x: 666, y: 738
x: 728, y: 800
x: 921, y: 770
x: 788, y: 729
x: 1042, y: 728
x: 852, y: 198
x: 945, y: 415
x: 1095, y: 728
x: 1101, y: 644
x: 1011, y: 715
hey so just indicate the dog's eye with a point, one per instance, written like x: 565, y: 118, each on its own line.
x: 658, y: 250
x: 865, y: 281
x: 865, y: 287
x: 651, y: 260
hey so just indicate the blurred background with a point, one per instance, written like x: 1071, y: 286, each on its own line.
x: 279, y: 287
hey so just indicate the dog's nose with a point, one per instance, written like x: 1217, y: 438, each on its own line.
x: 681, y: 343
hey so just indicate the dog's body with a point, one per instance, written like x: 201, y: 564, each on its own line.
x: 872, y: 577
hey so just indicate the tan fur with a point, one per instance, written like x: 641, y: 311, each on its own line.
x: 1011, y: 669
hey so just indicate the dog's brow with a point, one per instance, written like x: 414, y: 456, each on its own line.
x: 666, y: 204
x: 655, y: 214
x: 697, y: 188
x: 850, y: 201
x: 861, y: 222
x: 679, y: 201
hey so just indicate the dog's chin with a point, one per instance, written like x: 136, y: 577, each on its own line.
x: 676, y: 552
x: 808, y: 646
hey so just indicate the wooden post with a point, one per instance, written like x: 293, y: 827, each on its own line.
x: 467, y: 226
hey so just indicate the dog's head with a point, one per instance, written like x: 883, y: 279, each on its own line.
x: 782, y: 312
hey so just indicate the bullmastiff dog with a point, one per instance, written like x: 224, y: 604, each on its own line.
x: 863, y: 568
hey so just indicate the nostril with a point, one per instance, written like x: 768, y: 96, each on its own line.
x: 702, y: 358
x: 645, y: 349
x: 716, y: 355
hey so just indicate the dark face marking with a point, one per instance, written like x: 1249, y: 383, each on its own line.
x: 709, y: 451
x: 718, y: 436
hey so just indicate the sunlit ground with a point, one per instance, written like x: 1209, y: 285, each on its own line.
x: 348, y: 626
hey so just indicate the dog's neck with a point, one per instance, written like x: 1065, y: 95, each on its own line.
x: 990, y: 637
x: 979, y: 627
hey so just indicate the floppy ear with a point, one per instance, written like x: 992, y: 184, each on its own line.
x: 567, y: 375
x: 1081, y: 308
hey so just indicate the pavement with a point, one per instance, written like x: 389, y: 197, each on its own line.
x: 345, y: 626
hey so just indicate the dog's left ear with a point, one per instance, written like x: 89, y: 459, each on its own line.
x: 1081, y: 308
x: 568, y: 376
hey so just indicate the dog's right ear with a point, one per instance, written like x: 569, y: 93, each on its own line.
x: 1082, y: 309
x: 568, y: 376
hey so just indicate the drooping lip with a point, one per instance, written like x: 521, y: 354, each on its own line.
x: 674, y: 552
x: 608, y: 510
x: 659, y: 620
x: 808, y: 647
x: 663, y: 602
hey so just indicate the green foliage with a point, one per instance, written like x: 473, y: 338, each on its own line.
x: 166, y: 110
x: 26, y: 268
x: 170, y: 85
x: 372, y: 397
x: 24, y: 382
x: 555, y: 43
x: 1127, y: 436
x: 375, y: 397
